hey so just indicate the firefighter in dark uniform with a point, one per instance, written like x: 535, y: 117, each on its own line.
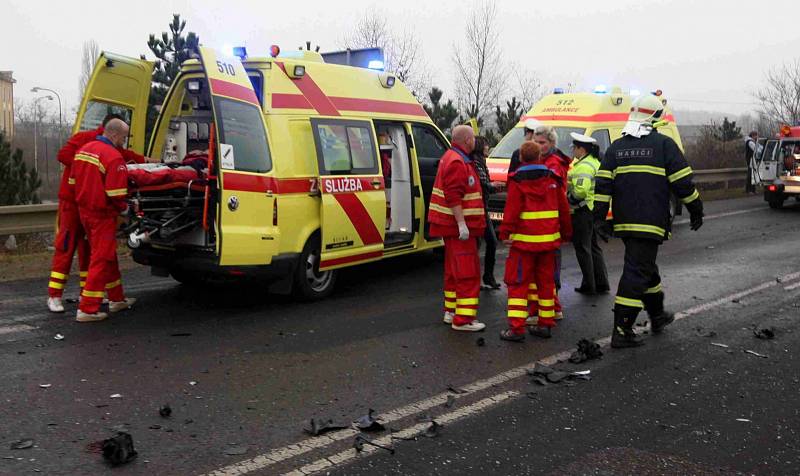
x: 639, y: 172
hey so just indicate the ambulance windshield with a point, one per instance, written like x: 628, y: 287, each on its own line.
x: 513, y: 140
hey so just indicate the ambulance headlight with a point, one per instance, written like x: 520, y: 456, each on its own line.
x: 387, y: 80
x: 193, y: 86
x: 299, y: 71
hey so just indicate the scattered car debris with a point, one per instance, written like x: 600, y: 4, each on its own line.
x: 119, y: 449
x: 556, y: 376
x: 743, y: 420
x: 59, y: 337
x: 369, y: 423
x: 587, y: 350
x: 433, y: 430
x: 235, y: 450
x: 116, y: 395
x: 192, y: 383
x: 165, y: 411
x: 22, y: 444
x: 318, y: 427
x: 717, y: 344
x: 45, y: 385
x: 767, y: 333
x: 451, y: 400
x: 455, y: 390
x: 361, y: 440
x: 154, y: 427
x: 480, y: 342
x: 544, y: 375
x: 751, y: 352
x: 539, y: 380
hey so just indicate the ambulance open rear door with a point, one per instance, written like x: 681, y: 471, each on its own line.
x: 353, y: 210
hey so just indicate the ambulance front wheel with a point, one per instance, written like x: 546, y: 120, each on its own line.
x: 309, y: 282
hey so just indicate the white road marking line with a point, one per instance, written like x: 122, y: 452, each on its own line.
x: 411, y: 432
x: 290, y: 451
x: 793, y: 286
x: 16, y: 328
x: 723, y: 215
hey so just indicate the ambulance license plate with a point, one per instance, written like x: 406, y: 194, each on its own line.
x: 496, y: 216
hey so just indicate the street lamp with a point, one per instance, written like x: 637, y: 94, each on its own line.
x: 36, y: 131
x: 60, y: 120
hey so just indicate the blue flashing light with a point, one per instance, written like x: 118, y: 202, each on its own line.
x: 558, y: 91
x: 240, y: 52
x: 600, y: 89
x: 375, y: 64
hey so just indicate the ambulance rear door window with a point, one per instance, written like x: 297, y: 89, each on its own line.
x: 345, y: 147
x: 242, y: 127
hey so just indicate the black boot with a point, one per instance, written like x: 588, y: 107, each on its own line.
x: 659, y: 318
x: 623, y: 336
x: 659, y: 322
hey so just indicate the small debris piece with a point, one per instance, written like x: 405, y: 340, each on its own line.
x: 423, y: 417
x: 59, y: 337
x: 181, y: 334
x: 116, y: 395
x: 369, y: 423
x: 540, y: 369
x: 192, y: 383
x: 165, y: 411
x: 119, y: 449
x: 767, y: 333
x: 360, y: 440
x: 235, y: 450
x: 539, y: 380
x: 22, y: 444
x: 717, y: 344
x: 433, y: 430
x: 587, y: 350
x: 45, y: 385
x: 455, y: 390
x: 155, y: 427
x: 318, y: 427
x: 451, y: 400
x: 703, y: 333
x: 557, y: 376
x: 743, y: 420
x: 736, y: 301
x: 480, y: 342
x: 756, y: 354
x: 532, y: 395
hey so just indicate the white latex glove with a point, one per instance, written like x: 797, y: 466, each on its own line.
x: 463, y: 231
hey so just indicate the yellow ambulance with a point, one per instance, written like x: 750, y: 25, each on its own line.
x: 310, y: 166
x: 600, y: 114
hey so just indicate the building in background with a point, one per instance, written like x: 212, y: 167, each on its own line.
x: 7, y: 103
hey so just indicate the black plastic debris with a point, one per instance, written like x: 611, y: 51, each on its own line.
x: 540, y: 369
x: 22, y: 444
x: 361, y: 440
x: 480, y: 342
x: 368, y: 422
x: 455, y: 390
x: 165, y: 411
x: 180, y: 334
x: 154, y: 427
x: 767, y: 333
x: 587, y: 350
x: 318, y: 427
x: 119, y: 449
x: 433, y: 430
x: 539, y: 380
x: 557, y: 376
x: 451, y: 400
x: 235, y: 450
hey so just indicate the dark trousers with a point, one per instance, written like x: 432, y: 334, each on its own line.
x: 490, y: 238
x: 749, y: 187
x: 640, y: 284
x: 588, y: 251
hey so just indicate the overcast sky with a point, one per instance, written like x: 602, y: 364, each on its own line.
x: 704, y: 54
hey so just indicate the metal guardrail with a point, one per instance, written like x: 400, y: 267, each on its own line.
x: 22, y: 219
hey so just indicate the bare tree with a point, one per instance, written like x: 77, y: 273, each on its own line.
x: 780, y: 96
x: 401, y: 51
x: 528, y: 87
x: 91, y: 50
x: 479, y: 77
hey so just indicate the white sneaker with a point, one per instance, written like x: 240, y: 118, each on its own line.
x: 532, y: 321
x: 559, y: 315
x: 448, y: 317
x: 84, y: 317
x: 55, y: 304
x: 121, y: 305
x: 474, y: 326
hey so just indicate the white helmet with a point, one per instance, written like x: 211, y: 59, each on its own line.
x: 645, y: 112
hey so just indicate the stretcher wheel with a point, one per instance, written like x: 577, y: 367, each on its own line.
x: 310, y: 283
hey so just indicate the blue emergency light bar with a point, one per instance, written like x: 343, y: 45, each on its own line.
x: 558, y: 91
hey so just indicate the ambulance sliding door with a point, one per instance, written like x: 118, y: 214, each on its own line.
x: 246, y: 234
x: 353, y: 210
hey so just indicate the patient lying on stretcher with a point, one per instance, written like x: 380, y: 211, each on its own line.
x: 192, y: 168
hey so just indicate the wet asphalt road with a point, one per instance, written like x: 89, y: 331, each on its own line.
x: 243, y: 371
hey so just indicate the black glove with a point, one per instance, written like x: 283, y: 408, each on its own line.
x: 695, y: 214
x: 602, y: 228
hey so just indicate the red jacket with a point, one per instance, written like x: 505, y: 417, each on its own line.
x: 559, y: 164
x: 457, y: 183
x: 100, y: 178
x: 67, y: 154
x: 536, y: 217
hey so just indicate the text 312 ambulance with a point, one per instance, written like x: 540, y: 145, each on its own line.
x: 282, y: 167
x: 599, y: 114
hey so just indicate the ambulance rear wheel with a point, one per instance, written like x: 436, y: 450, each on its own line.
x: 309, y: 282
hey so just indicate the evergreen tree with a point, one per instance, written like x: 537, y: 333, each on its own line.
x: 19, y: 184
x: 171, y: 50
x: 442, y: 115
x: 506, y: 120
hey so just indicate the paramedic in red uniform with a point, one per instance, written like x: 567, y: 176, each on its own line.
x: 535, y: 221
x: 70, y: 235
x: 101, y: 189
x: 456, y: 214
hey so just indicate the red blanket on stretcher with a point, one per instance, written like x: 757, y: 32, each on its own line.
x: 144, y: 175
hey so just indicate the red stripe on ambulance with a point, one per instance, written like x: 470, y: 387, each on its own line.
x: 351, y: 259
x: 360, y: 218
x: 224, y: 88
x: 257, y: 183
x: 313, y: 93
